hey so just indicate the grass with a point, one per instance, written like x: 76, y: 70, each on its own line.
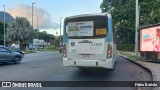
x: 51, y: 48
x: 131, y: 55
x: 29, y: 51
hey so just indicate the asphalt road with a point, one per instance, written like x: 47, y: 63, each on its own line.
x: 48, y: 66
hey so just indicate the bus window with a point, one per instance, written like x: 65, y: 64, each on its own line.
x: 87, y: 27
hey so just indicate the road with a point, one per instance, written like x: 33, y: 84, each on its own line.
x: 48, y: 66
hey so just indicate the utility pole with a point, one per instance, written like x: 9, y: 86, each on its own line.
x: 60, y: 33
x: 136, y: 28
x: 4, y: 27
x: 32, y: 20
x: 32, y: 14
x: 37, y: 26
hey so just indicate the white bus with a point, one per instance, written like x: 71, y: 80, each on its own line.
x: 88, y: 41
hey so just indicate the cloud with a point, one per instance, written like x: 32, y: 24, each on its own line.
x: 44, y: 18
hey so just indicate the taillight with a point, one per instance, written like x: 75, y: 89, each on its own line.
x: 64, y: 51
x: 109, y: 51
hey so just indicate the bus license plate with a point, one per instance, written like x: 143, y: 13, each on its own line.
x: 85, y: 55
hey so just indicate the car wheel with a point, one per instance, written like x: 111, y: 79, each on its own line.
x: 22, y: 55
x: 17, y: 60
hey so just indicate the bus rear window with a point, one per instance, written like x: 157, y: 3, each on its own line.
x: 87, y: 27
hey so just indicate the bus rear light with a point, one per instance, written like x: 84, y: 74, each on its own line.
x: 64, y: 51
x: 109, y: 51
x: 109, y: 54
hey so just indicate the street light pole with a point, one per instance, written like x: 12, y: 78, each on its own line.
x: 60, y: 32
x: 37, y: 26
x: 4, y: 27
x: 37, y: 21
x: 32, y: 19
x: 136, y: 28
x: 32, y: 14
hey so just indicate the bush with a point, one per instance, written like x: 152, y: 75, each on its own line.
x: 125, y: 47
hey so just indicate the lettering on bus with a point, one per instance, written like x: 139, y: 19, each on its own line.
x: 95, y: 44
x: 79, y: 23
x: 73, y: 28
x: 72, y: 44
x: 86, y: 27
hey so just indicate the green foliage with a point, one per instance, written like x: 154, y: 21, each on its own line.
x: 123, y: 14
x: 50, y: 48
x: 125, y: 47
x: 57, y: 42
x: 45, y: 36
x: 149, y: 12
x: 20, y: 31
x: 29, y: 51
x: 2, y: 33
x: 2, y: 29
x: 131, y: 55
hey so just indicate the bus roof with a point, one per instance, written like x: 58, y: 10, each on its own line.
x: 87, y: 15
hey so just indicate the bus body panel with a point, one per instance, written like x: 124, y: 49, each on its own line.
x: 90, y: 52
x: 89, y: 63
x: 93, y: 49
x: 96, y: 60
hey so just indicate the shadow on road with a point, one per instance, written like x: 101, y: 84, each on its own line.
x: 7, y: 63
x: 93, y: 73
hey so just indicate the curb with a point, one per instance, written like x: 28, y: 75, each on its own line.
x: 153, y: 74
x: 29, y: 53
x: 150, y: 71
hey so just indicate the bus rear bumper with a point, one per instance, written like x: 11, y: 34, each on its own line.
x: 89, y: 63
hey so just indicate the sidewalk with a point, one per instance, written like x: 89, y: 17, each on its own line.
x: 154, y: 68
x: 151, y: 66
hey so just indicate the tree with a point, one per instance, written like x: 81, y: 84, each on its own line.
x: 149, y: 12
x: 123, y: 17
x: 2, y: 32
x: 57, y: 42
x: 45, y: 36
x: 21, y: 31
x: 123, y: 13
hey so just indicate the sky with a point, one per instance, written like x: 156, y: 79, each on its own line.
x: 49, y: 12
